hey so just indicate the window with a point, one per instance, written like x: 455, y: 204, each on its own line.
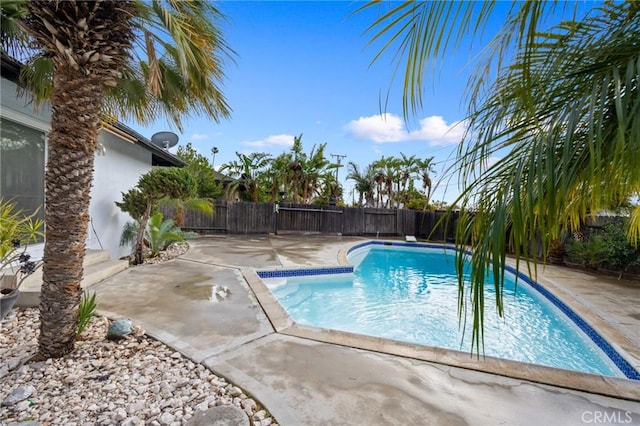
x: 22, y: 166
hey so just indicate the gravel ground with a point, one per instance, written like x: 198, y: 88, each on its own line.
x: 134, y: 381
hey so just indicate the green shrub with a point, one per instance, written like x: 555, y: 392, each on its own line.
x: 620, y: 255
x: 162, y: 233
x: 609, y: 249
x: 87, y: 310
x: 590, y: 254
x: 158, y: 235
x: 17, y: 231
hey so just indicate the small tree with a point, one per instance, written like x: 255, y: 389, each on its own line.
x: 152, y: 187
x: 202, y: 171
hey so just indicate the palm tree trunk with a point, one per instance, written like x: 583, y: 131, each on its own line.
x: 88, y: 43
x: 72, y: 142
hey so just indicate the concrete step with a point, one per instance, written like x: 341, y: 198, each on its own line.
x: 91, y: 257
x: 97, y: 267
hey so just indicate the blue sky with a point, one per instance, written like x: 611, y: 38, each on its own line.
x: 304, y: 68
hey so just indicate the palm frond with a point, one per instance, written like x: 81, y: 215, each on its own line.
x: 567, y: 114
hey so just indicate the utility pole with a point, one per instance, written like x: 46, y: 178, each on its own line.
x: 339, y: 160
x: 332, y: 200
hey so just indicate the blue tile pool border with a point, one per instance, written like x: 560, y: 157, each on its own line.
x: 621, y: 363
x: 286, y: 273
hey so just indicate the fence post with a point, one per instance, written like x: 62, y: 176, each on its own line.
x: 226, y: 217
x: 276, y: 210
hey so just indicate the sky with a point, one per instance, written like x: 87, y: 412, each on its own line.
x: 304, y: 68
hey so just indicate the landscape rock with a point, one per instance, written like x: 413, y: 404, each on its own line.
x: 224, y: 415
x: 166, y: 418
x: 22, y: 406
x: 18, y: 394
x: 120, y: 414
x: 119, y: 329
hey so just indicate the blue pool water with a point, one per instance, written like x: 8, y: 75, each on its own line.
x: 410, y: 295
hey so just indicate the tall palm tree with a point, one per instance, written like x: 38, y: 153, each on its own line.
x: 425, y: 168
x: 388, y: 173
x: 566, y: 109
x: 379, y: 180
x: 407, y: 168
x: 82, y: 55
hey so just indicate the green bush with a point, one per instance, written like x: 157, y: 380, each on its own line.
x: 619, y: 253
x: 609, y: 249
x: 162, y: 233
x: 590, y: 254
x: 158, y: 235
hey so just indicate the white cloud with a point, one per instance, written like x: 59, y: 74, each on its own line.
x: 384, y: 128
x: 272, y: 141
x: 199, y: 137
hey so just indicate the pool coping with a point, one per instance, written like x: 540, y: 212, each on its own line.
x: 603, y: 385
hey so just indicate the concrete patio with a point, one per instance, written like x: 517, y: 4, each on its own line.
x: 305, y: 381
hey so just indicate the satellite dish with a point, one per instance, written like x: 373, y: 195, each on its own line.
x: 164, y: 140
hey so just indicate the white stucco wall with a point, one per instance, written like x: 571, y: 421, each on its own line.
x: 117, y: 169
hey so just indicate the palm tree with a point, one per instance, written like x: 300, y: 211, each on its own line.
x: 81, y: 55
x: 407, y: 168
x: 314, y: 172
x: 566, y: 109
x: 425, y: 168
x: 247, y: 172
x: 378, y: 179
x: 363, y: 182
x: 388, y: 173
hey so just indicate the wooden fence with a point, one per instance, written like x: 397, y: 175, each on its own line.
x: 266, y: 218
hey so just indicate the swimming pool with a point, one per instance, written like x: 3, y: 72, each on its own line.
x: 409, y: 294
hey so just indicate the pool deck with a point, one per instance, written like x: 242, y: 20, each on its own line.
x: 306, y: 376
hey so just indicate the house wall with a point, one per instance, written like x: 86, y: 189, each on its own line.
x: 21, y: 109
x: 117, y: 168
